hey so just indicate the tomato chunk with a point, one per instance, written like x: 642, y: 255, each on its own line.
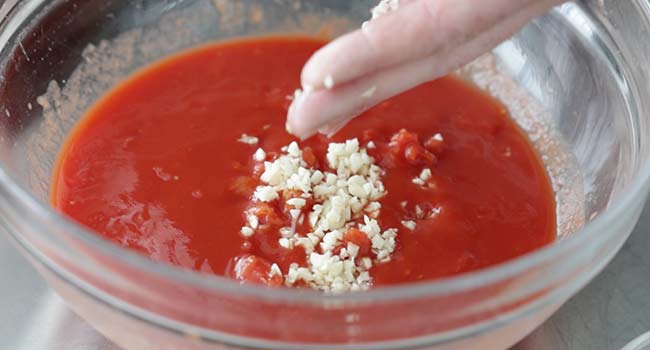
x: 286, y: 196
x: 255, y: 270
x: 358, y: 238
x: 267, y: 214
x: 435, y: 144
x: 415, y: 154
x: 370, y: 135
x: 407, y: 145
x: 403, y: 137
x: 309, y: 157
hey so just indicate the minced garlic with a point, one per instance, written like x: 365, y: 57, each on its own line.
x: 344, y: 199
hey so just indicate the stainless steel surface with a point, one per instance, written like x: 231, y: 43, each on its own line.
x: 610, y: 312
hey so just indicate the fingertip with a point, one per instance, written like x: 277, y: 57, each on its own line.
x: 335, y: 63
x: 331, y: 129
x: 328, y: 110
x: 313, y: 74
x: 296, y: 125
x: 307, y: 114
x: 315, y: 77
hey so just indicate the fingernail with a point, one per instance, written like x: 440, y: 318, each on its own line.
x: 328, y: 82
x: 370, y: 92
x: 306, y: 89
x: 293, y: 125
x: 332, y: 128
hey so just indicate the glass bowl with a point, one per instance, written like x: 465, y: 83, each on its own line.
x: 574, y: 80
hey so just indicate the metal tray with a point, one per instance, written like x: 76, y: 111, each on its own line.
x: 610, y: 312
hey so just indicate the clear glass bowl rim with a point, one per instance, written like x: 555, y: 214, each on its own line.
x: 28, y: 206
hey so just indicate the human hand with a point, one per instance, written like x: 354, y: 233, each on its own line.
x: 408, y: 43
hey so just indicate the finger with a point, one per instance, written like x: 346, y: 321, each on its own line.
x: 331, y: 129
x: 318, y: 109
x: 416, y: 30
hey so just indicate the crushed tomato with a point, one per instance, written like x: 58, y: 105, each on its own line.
x: 155, y: 166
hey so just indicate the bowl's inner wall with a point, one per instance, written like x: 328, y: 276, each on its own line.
x: 560, y: 86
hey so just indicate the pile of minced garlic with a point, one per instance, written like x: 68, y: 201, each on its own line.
x: 384, y: 7
x: 332, y: 203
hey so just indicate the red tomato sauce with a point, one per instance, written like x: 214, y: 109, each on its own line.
x: 156, y: 166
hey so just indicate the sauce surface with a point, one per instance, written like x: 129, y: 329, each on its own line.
x: 156, y: 165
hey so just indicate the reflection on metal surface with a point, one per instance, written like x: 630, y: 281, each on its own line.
x: 640, y: 343
x: 35, y: 318
x: 611, y: 311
